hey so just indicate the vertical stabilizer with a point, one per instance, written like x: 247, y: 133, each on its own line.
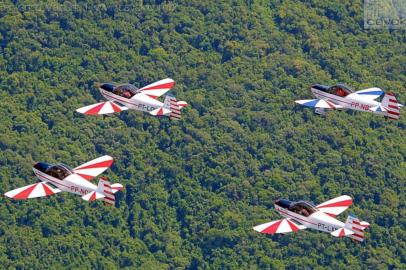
x: 171, y: 104
x: 390, y: 103
x: 105, y: 188
x: 354, y: 224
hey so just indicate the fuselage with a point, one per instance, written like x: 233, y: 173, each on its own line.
x: 128, y: 96
x: 352, y: 100
x: 63, y: 178
x: 308, y: 215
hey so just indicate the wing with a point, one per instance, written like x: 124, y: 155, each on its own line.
x: 40, y: 189
x: 335, y: 206
x: 319, y: 103
x: 370, y: 93
x: 279, y: 226
x: 101, y: 108
x: 158, y: 88
x: 93, y: 168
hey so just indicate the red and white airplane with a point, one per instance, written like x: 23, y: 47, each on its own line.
x: 59, y: 177
x: 341, y: 97
x: 127, y: 96
x: 301, y: 215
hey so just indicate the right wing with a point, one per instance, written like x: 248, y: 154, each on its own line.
x: 319, y: 103
x: 335, y: 206
x: 101, y: 108
x: 40, y: 189
x: 157, y: 89
x: 93, y: 168
x: 279, y: 226
x: 370, y: 93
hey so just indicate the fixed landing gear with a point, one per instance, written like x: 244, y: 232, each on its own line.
x: 320, y: 111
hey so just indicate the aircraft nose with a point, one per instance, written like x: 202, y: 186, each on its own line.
x: 320, y: 87
x: 107, y: 86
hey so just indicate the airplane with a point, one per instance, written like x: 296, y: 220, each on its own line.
x: 341, y: 97
x: 301, y: 215
x: 127, y: 96
x: 55, y: 178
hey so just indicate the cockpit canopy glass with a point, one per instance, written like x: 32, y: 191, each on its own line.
x: 125, y: 90
x: 302, y: 208
x: 59, y: 171
x: 341, y: 90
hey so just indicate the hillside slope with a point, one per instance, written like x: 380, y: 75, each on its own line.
x: 195, y: 188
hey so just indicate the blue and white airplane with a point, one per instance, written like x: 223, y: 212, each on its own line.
x: 341, y: 97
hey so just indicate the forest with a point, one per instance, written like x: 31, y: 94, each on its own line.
x: 194, y: 188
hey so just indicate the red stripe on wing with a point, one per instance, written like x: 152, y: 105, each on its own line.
x: 337, y: 204
x: 273, y: 228
x: 160, y: 86
x: 106, y: 163
x: 95, y: 109
x: 25, y: 193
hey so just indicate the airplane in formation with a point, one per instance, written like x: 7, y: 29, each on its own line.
x: 301, y: 215
x: 59, y: 177
x: 341, y: 97
x: 127, y: 96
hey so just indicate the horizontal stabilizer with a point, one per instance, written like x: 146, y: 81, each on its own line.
x: 160, y: 111
x: 319, y: 103
x: 32, y: 191
x: 342, y: 232
x: 279, y: 226
x: 182, y: 104
x: 378, y: 108
x: 116, y: 187
x: 101, y: 108
x: 92, y: 196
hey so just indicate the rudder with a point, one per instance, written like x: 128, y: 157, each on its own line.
x: 106, y: 189
x: 171, y: 104
x: 357, y: 226
x: 390, y: 103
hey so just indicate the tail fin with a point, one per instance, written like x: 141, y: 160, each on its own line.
x: 171, y: 104
x: 390, y: 103
x: 107, y: 189
x: 357, y: 226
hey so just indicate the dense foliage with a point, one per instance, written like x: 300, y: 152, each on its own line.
x: 195, y: 188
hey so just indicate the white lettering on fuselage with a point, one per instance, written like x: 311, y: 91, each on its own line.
x: 328, y: 228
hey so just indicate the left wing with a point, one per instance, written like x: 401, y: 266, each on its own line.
x: 102, y: 108
x: 370, y: 93
x: 285, y: 225
x: 40, y: 189
x: 93, y: 168
x: 319, y: 103
x: 335, y: 206
x: 157, y: 89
